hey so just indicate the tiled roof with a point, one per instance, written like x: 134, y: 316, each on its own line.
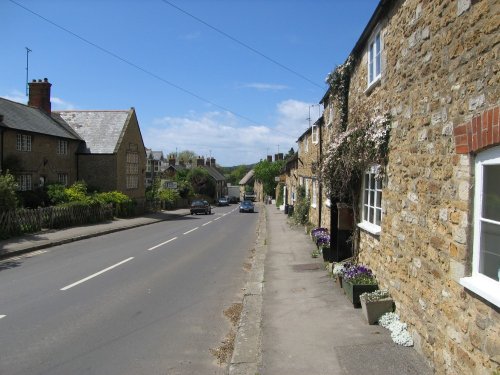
x: 22, y: 117
x: 215, y: 173
x: 248, y: 177
x: 101, y: 130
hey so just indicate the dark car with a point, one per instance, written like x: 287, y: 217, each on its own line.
x: 223, y: 201
x: 247, y: 206
x: 200, y: 207
x: 233, y: 199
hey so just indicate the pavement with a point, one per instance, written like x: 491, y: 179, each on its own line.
x: 295, y: 320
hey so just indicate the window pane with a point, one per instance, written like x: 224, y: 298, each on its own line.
x: 365, y: 212
x: 489, y: 255
x: 372, y: 181
x: 377, y: 55
x: 378, y: 216
x: 372, y: 198
x: 491, y: 192
x: 379, y: 199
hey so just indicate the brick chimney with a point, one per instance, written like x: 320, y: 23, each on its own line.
x: 200, y: 161
x: 212, y: 162
x: 270, y: 158
x: 171, y: 160
x: 39, y: 95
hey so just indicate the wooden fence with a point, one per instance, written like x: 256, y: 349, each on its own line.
x: 16, y: 222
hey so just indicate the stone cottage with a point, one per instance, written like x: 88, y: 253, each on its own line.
x: 430, y: 228
x: 113, y: 148
x: 34, y: 147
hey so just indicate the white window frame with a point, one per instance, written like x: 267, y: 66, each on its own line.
x: 314, y: 198
x: 374, y: 63
x: 371, y: 189
x: 479, y: 283
x: 24, y: 182
x: 23, y: 142
x: 62, y: 178
x: 315, y: 134
x: 62, y: 147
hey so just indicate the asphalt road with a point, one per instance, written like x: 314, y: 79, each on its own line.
x: 143, y: 301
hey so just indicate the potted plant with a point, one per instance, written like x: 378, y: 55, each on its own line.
x: 375, y: 304
x: 357, y: 280
x: 338, y: 271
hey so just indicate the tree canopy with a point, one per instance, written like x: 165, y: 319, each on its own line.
x: 266, y: 171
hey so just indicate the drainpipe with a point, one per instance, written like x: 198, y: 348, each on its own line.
x: 320, y: 189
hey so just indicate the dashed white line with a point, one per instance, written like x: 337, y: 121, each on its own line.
x: 218, y: 218
x: 189, y: 231
x: 2, y: 316
x: 208, y: 222
x: 96, y: 274
x: 161, y: 244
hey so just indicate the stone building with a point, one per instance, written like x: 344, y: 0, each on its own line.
x: 430, y: 229
x: 155, y: 165
x: 113, y: 148
x: 34, y: 147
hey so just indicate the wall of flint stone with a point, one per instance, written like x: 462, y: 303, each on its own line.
x: 440, y: 71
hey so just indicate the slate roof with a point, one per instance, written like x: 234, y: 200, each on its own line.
x: 215, y: 173
x: 248, y: 177
x: 22, y: 117
x: 101, y: 130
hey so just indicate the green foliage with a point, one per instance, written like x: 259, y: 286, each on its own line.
x: 57, y: 194
x: 301, y: 207
x: 169, y: 196
x: 237, y: 174
x: 114, y: 197
x: 201, y: 182
x: 266, y: 171
x: 78, y: 192
x: 8, y: 187
x: 153, y: 190
x: 280, y: 199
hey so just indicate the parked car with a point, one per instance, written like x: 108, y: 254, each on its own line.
x: 233, y: 199
x: 200, y: 207
x: 223, y: 201
x: 247, y: 206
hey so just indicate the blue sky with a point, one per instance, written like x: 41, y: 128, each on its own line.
x: 192, y: 87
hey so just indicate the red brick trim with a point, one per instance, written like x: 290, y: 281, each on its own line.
x: 479, y: 133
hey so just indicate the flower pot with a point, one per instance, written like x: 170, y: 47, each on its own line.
x: 353, y: 291
x: 373, y: 310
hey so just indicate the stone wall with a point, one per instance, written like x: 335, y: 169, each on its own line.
x: 42, y: 160
x: 440, y: 70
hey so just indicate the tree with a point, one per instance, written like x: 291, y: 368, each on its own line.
x: 187, y: 156
x: 8, y: 188
x: 201, y: 182
x: 237, y: 174
x: 266, y: 171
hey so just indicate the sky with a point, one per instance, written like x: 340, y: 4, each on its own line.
x: 232, y: 79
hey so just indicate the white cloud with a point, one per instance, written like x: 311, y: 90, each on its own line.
x: 16, y: 96
x: 222, y: 135
x: 265, y: 86
x: 60, y: 105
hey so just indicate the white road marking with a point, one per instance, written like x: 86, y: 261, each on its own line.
x: 189, y: 231
x: 2, y: 316
x: 96, y: 274
x: 161, y: 244
x: 218, y: 218
x: 208, y: 222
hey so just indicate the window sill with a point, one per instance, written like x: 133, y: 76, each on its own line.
x: 484, y: 287
x: 373, y: 84
x: 370, y: 228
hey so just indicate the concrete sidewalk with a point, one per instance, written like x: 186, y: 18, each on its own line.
x: 295, y: 319
x: 36, y: 241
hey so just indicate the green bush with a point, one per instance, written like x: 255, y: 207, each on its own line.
x: 78, y: 192
x: 301, y: 207
x: 57, y: 194
x: 169, y: 196
x: 8, y: 188
x: 114, y: 197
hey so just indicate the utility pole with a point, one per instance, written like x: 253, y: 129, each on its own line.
x: 27, y: 68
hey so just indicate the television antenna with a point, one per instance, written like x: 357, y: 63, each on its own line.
x: 27, y: 68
